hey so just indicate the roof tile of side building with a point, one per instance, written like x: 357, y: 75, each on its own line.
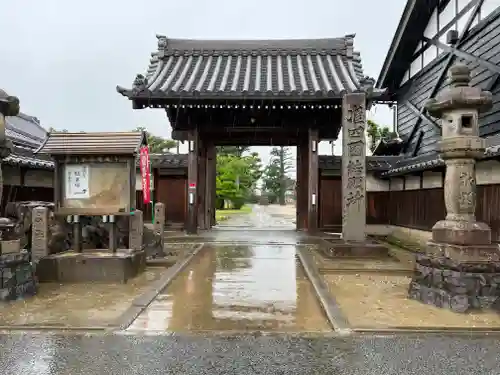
x: 403, y: 165
x: 25, y: 130
x: 258, y: 69
x: 100, y: 143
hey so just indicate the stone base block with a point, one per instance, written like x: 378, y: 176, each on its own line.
x: 461, y: 232
x: 91, y: 266
x: 458, y: 286
x: 17, y: 278
x: 10, y: 247
x: 464, y: 253
x: 368, y: 249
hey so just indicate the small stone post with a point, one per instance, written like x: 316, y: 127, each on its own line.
x: 461, y: 265
x: 136, y: 230
x: 354, y: 167
x: 40, y: 233
x: 159, y: 224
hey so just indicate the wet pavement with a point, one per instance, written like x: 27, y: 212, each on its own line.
x: 161, y: 355
x: 77, y: 305
x: 272, y: 217
x: 239, y: 288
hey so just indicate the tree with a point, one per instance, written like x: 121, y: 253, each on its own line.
x: 276, y: 181
x: 376, y: 133
x: 157, y: 144
x: 236, y: 178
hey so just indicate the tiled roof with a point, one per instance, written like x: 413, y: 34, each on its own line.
x: 102, y: 143
x: 275, y: 69
x: 26, y: 161
x: 167, y: 160
x: 25, y: 130
x: 431, y: 161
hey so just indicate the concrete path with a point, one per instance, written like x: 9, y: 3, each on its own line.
x: 262, y: 217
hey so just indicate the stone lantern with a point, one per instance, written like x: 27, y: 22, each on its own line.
x: 461, y: 267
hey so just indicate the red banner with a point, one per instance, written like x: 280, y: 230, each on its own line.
x: 145, y: 174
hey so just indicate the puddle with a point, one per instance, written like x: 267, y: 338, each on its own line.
x: 77, y: 305
x: 251, y: 287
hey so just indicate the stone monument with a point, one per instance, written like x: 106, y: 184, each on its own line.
x: 354, y: 241
x: 94, y: 178
x: 461, y: 269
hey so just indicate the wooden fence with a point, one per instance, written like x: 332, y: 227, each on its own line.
x: 421, y: 209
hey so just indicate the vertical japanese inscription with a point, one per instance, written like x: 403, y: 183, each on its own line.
x: 354, y: 167
x: 40, y: 232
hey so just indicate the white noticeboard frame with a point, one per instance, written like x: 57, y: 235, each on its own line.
x: 76, y: 181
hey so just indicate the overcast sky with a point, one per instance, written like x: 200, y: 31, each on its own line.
x: 63, y: 58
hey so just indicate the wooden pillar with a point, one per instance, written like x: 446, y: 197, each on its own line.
x: 298, y: 224
x: 192, y: 196
x: 210, y: 185
x: 202, y: 185
x: 312, y: 193
x: 302, y: 174
x: 214, y: 184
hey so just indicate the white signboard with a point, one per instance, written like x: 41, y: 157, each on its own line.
x: 76, y: 179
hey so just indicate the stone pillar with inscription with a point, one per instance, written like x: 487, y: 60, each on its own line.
x: 40, y: 233
x: 462, y: 267
x: 136, y: 230
x: 354, y: 167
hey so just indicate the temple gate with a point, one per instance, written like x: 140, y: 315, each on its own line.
x: 263, y: 92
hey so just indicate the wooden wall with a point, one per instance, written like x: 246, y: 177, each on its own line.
x: 421, y: 209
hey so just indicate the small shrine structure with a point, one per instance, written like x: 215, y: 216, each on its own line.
x: 95, y: 175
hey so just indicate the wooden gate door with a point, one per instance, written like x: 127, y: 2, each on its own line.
x: 330, y: 203
x: 172, y: 193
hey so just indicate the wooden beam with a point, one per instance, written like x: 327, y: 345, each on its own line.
x: 421, y: 114
x: 210, y: 185
x: 492, y: 84
x: 192, y: 195
x: 445, y: 28
x: 202, y: 185
x: 467, y: 56
x: 442, y: 73
x: 419, y: 142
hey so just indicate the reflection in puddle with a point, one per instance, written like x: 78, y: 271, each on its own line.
x: 237, y: 288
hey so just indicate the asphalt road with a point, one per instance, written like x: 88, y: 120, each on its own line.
x: 44, y: 354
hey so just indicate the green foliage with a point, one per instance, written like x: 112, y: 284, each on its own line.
x: 376, y: 133
x: 236, y: 178
x: 157, y: 144
x: 275, y: 179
